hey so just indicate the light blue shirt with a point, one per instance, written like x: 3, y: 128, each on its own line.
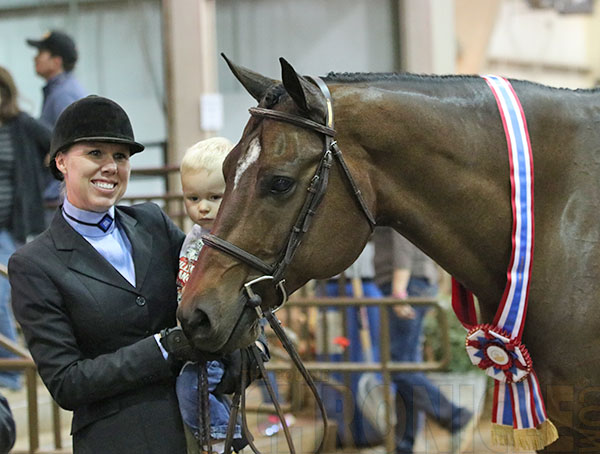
x: 113, y: 244
x: 59, y: 92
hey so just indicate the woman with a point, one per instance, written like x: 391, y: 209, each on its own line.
x: 92, y: 292
x: 24, y: 143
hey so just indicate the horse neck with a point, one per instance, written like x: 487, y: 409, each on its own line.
x: 438, y: 171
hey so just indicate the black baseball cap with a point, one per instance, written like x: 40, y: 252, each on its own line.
x: 57, y: 43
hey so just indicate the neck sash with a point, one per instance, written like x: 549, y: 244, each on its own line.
x: 518, y: 416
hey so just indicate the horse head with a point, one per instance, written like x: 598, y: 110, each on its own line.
x: 267, y: 176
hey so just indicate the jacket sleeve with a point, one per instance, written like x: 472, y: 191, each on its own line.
x: 72, y: 379
x: 7, y: 427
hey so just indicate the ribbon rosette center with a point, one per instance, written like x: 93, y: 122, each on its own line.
x: 500, y: 357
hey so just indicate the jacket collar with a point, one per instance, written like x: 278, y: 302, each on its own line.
x: 84, y: 259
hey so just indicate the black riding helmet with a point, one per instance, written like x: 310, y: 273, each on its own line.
x: 91, y: 119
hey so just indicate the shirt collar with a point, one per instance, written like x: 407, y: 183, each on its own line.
x: 56, y: 79
x: 198, y: 230
x: 91, y: 217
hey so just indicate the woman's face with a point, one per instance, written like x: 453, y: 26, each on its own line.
x: 96, y: 174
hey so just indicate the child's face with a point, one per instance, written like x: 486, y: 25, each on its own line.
x: 202, y: 194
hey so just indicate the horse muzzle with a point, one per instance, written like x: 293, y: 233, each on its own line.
x: 219, y: 331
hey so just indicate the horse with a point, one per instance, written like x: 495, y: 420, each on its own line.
x: 426, y: 155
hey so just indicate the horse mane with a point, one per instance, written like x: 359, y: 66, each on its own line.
x: 355, y: 77
x: 347, y: 77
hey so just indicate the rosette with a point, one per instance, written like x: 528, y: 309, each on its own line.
x: 504, y: 359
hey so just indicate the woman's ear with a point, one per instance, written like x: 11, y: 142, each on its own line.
x: 61, y: 165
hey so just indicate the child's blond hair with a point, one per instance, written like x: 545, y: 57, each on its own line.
x: 207, y: 154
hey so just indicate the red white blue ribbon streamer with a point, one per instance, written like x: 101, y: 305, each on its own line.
x: 519, y: 416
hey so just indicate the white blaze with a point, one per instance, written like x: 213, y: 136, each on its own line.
x: 250, y: 158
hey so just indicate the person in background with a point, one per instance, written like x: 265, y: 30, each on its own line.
x: 54, y: 62
x: 8, y: 431
x: 95, y: 290
x: 203, y: 187
x: 24, y: 144
x: 402, y: 271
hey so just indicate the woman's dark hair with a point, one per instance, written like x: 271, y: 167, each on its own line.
x: 8, y: 96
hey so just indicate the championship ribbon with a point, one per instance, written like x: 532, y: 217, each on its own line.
x: 518, y: 416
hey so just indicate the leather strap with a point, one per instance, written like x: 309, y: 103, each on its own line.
x: 229, y: 248
x: 337, y: 153
x: 293, y: 119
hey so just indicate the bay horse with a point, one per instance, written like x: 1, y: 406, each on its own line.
x: 428, y: 156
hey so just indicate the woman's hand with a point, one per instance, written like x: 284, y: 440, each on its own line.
x: 232, y: 376
x: 175, y: 343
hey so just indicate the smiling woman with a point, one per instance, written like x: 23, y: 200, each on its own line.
x: 93, y: 292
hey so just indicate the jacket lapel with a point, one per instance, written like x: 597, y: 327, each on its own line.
x: 141, y: 243
x: 83, y: 258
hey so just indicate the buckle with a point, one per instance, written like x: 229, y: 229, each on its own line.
x: 255, y: 299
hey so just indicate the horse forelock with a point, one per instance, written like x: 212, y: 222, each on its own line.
x: 273, y: 96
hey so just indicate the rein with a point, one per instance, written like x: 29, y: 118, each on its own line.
x: 275, y: 272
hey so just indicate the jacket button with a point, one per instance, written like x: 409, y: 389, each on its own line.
x: 140, y: 301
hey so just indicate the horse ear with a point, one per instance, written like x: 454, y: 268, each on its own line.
x: 256, y: 84
x: 305, y: 94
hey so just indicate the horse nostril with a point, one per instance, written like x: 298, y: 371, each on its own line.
x: 200, y: 320
x: 195, y: 323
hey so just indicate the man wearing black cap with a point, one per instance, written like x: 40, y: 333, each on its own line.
x: 54, y: 62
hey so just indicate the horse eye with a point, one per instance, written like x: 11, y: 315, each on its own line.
x: 281, y: 185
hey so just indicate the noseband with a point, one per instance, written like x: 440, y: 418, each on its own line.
x: 275, y: 272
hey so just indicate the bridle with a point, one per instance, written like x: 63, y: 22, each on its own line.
x: 315, y: 192
x: 275, y: 272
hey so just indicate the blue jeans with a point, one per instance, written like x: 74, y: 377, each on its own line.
x: 415, y: 394
x: 10, y: 379
x: 218, y: 405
